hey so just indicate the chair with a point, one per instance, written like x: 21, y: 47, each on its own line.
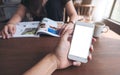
x: 85, y: 12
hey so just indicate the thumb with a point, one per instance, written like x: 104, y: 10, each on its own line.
x: 66, y: 34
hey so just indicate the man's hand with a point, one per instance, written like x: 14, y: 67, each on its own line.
x: 62, y: 52
x: 65, y: 27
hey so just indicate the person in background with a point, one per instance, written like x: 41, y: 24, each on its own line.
x: 57, y: 59
x: 39, y: 9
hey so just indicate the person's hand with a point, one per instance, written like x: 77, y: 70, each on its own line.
x: 8, y: 31
x: 62, y: 52
x: 65, y: 27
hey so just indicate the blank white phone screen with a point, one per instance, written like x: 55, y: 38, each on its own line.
x: 81, y: 41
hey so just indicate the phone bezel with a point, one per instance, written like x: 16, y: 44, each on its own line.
x: 74, y: 57
x: 79, y: 59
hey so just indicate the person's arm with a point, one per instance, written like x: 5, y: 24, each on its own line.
x: 71, y: 12
x: 45, y: 67
x: 18, y: 16
x: 10, y: 28
x: 73, y: 17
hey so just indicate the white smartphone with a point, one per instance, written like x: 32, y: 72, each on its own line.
x: 81, y: 41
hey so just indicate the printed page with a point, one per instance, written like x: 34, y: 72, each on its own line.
x: 48, y: 27
x: 26, y: 29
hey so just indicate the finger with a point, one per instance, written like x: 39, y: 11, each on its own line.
x: 5, y: 33
x: 76, y: 63
x: 90, y: 57
x: 12, y: 30
x: 63, y: 26
x: 91, y: 48
x: 66, y: 34
x: 93, y: 40
x: 64, y: 29
x: 67, y: 28
x: 61, y: 29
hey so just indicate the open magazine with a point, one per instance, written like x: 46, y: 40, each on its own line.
x: 36, y: 28
x: 48, y: 26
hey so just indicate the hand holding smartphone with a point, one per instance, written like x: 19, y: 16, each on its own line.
x: 81, y: 41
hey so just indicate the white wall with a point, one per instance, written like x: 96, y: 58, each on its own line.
x: 102, y: 9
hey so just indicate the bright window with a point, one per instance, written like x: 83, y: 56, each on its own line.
x: 115, y: 14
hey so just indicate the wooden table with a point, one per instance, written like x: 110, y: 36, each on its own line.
x: 19, y: 54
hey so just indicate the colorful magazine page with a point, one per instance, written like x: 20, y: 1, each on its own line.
x: 49, y: 27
